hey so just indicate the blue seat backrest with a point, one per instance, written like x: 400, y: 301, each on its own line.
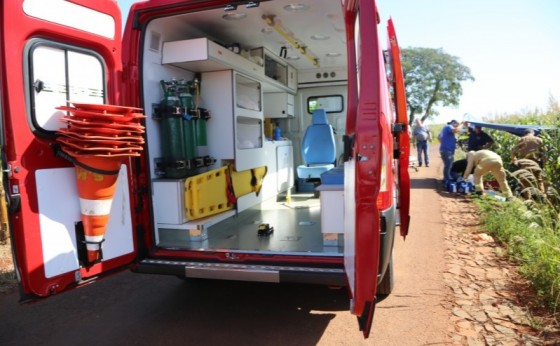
x: 318, y: 145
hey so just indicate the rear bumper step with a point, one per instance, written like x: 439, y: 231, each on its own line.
x: 244, y: 272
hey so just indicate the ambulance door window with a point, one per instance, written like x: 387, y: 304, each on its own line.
x: 330, y: 103
x: 60, y: 73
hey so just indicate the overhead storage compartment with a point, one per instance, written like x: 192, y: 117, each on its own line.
x: 203, y: 55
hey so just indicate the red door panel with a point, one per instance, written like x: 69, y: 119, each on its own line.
x: 72, y: 53
x: 404, y: 137
x: 363, y: 169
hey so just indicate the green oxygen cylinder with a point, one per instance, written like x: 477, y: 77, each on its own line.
x: 189, y: 140
x: 202, y: 117
x: 175, y: 164
x: 189, y: 146
x: 201, y: 137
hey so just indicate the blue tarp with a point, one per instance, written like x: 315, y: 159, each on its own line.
x: 515, y: 129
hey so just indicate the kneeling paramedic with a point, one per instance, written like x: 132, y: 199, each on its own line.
x: 483, y: 162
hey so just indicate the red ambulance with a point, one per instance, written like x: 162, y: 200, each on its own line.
x: 205, y: 110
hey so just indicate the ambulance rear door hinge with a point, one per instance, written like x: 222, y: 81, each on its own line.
x: 348, y: 141
x: 9, y: 171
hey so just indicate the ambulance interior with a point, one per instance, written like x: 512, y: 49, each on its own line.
x: 245, y: 71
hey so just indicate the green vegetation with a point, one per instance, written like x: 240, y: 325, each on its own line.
x: 530, y: 229
x: 432, y: 78
x: 530, y: 233
x: 8, y: 281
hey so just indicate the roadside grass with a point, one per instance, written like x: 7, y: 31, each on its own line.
x: 528, y: 229
x: 8, y: 279
x: 530, y: 232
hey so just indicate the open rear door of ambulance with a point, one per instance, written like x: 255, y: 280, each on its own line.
x: 397, y: 82
x: 363, y: 158
x: 53, y: 52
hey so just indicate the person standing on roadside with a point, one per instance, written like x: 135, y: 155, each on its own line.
x: 423, y: 135
x: 479, y: 139
x: 447, y: 145
x: 483, y: 162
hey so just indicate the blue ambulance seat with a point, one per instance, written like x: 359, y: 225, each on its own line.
x: 318, y: 148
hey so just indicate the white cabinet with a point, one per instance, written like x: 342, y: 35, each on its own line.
x: 292, y: 78
x: 280, y: 175
x: 248, y: 95
x: 332, y: 208
x: 284, y: 167
x: 275, y: 69
x: 249, y: 125
x: 203, y: 55
x: 170, y: 197
x: 279, y: 105
x: 235, y: 130
x: 332, y: 214
x: 279, y: 75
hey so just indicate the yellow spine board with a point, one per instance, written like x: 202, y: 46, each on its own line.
x: 205, y: 194
x: 250, y: 180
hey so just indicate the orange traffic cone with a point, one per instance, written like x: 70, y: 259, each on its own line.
x: 95, y: 139
x: 96, y: 187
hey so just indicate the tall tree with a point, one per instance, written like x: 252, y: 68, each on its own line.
x: 432, y: 78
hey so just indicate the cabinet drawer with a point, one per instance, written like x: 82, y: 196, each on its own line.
x: 279, y: 105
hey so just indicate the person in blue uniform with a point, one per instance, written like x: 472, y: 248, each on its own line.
x: 478, y: 139
x: 448, y: 143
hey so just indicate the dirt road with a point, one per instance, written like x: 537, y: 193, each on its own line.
x: 159, y: 310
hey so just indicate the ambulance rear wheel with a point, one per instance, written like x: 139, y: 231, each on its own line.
x: 385, y: 287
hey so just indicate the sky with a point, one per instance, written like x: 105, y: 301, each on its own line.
x: 512, y: 48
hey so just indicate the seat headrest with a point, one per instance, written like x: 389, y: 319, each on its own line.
x: 319, y: 117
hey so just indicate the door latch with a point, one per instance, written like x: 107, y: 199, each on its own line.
x: 8, y: 170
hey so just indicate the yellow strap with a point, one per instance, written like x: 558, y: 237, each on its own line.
x: 288, y: 36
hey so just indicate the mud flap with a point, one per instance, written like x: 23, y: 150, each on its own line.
x: 365, y: 321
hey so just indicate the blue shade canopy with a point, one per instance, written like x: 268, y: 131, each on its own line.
x: 515, y: 129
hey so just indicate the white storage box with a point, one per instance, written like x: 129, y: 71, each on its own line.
x: 332, y: 208
x: 169, y: 197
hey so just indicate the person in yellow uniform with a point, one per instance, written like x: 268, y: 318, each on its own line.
x: 483, y: 162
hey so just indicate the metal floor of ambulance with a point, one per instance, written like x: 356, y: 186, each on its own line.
x: 297, y: 230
